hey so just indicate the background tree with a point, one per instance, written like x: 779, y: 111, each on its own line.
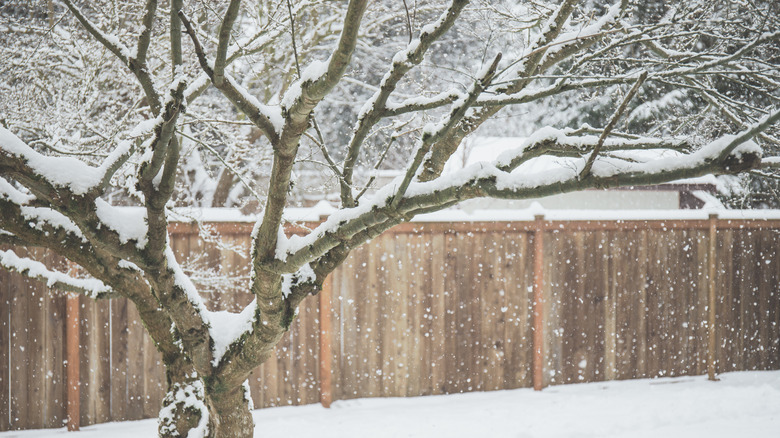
x: 152, y: 106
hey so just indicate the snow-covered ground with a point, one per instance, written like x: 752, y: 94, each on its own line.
x: 745, y: 404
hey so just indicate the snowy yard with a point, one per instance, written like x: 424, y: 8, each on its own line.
x: 744, y: 404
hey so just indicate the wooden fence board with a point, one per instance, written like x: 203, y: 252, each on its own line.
x: 5, y: 346
x: 119, y: 358
x: 19, y: 358
x: 438, y: 317
x: 135, y: 365
x: 35, y: 352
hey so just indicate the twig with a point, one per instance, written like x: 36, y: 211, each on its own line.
x: 408, y: 21
x: 204, y: 64
x: 292, y: 34
x: 613, y: 121
x: 224, y: 163
x: 376, y: 167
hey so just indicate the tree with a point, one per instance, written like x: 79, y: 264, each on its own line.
x: 428, y: 77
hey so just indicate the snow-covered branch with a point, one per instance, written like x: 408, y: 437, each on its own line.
x: 90, y: 287
x: 729, y: 154
x: 264, y: 117
x: 376, y: 106
x: 113, y: 44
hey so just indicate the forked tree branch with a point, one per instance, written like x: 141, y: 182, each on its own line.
x: 113, y: 44
x: 376, y: 106
x: 298, y: 105
x: 237, y: 95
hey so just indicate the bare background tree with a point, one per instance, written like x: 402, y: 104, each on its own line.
x: 115, y: 113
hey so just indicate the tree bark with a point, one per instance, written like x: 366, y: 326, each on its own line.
x: 193, y: 409
x: 230, y: 414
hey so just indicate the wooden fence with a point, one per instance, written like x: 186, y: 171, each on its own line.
x: 434, y: 308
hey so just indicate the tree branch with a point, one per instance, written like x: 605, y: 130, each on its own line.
x: 613, y: 121
x: 113, y: 44
x: 456, y: 115
x: 263, y: 117
x: 176, y: 55
x: 491, y: 181
x: 445, y: 147
x: 375, y: 108
x: 225, y: 31
x: 297, y: 105
x: 146, y: 32
x: 92, y: 288
x: 164, y: 129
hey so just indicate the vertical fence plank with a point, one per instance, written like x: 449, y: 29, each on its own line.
x: 18, y: 357
x: 609, y: 279
x: 72, y: 337
x: 426, y: 345
x: 711, y: 302
x: 119, y: 358
x: 438, y: 335
x: 56, y: 388
x: 36, y: 327
x: 326, y: 386
x: 135, y: 373
x: 416, y: 262
x: 5, y: 347
x: 538, y: 305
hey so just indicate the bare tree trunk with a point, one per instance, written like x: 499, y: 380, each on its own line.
x: 230, y: 415
x: 224, y: 184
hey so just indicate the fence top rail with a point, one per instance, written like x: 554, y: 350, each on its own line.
x: 318, y: 212
x: 232, y: 221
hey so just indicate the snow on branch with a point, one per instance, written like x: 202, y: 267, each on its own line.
x: 90, y: 287
x: 574, y: 41
x: 432, y: 133
x: 39, y: 218
x: 565, y: 142
x: 112, y: 43
x: 69, y: 173
x: 12, y: 194
x: 404, y: 60
x: 728, y: 154
x: 770, y: 163
x: 266, y: 118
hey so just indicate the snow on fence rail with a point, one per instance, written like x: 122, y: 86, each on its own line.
x: 435, y: 307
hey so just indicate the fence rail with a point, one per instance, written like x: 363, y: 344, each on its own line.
x: 433, y: 308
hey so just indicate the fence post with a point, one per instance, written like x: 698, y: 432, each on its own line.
x: 538, y: 303
x: 326, y: 388
x: 712, y: 261
x: 72, y: 356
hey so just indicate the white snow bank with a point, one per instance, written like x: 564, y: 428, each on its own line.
x: 745, y: 404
